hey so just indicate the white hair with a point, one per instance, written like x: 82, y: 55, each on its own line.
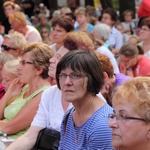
x: 102, y: 30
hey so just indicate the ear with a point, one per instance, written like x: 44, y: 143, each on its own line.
x: 16, y: 53
x: 39, y: 70
x: 148, y: 134
x: 106, y: 78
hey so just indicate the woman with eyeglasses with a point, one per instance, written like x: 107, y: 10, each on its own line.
x: 20, y: 103
x: 130, y: 121
x: 132, y: 61
x: 79, y: 77
x: 144, y: 34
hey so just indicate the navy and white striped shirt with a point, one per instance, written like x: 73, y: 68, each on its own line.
x: 94, y: 134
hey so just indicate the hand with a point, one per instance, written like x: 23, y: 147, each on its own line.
x: 15, y: 87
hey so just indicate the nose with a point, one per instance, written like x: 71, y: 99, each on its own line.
x: 113, y: 123
x: 68, y: 81
x: 52, y: 60
x: 3, y: 82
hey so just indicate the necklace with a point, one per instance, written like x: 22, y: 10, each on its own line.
x: 76, y: 134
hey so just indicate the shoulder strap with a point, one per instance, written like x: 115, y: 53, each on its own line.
x: 37, y: 92
x: 66, y: 119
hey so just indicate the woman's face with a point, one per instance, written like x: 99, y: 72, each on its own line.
x: 128, y: 62
x: 8, y: 10
x: 55, y: 59
x: 144, y: 33
x: 27, y: 70
x: 58, y: 34
x: 73, y: 85
x: 128, y: 133
x: 7, y: 78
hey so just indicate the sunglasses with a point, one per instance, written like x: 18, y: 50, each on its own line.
x: 7, y: 48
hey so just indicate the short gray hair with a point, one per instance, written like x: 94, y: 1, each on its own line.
x: 102, y: 30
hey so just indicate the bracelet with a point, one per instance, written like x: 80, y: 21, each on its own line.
x: 130, y: 69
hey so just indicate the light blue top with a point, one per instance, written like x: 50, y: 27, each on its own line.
x: 90, y: 28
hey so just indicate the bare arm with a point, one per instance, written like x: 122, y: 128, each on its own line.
x: 23, y: 119
x: 14, y: 89
x: 27, y: 141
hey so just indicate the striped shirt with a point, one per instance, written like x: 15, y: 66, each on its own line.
x: 94, y: 134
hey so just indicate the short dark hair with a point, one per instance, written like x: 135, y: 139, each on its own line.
x: 86, y: 63
x: 145, y: 22
x: 64, y: 22
x: 112, y: 13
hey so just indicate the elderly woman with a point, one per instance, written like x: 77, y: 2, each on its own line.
x: 133, y: 62
x: 101, y: 33
x: 130, y: 121
x: 80, y: 78
x: 14, y: 43
x: 19, y: 104
x: 61, y: 25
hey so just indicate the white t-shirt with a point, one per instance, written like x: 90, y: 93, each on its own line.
x: 50, y: 112
x: 107, y: 52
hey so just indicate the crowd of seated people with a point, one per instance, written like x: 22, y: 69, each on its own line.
x: 65, y: 62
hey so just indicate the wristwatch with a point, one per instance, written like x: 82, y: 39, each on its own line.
x: 129, y: 69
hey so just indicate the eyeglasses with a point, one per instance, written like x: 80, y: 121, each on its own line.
x: 7, y: 48
x: 23, y: 62
x: 72, y: 76
x: 122, y: 117
x: 144, y: 29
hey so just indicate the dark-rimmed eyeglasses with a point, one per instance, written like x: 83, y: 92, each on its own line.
x: 7, y: 48
x: 72, y: 76
x: 23, y: 62
x: 123, y: 117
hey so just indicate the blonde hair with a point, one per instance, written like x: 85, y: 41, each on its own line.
x: 11, y: 67
x: 137, y: 92
x: 18, y: 40
x: 4, y: 57
x: 65, y: 10
x: 9, y: 3
x: 18, y: 18
x: 80, y: 11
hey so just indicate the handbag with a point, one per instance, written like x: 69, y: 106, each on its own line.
x: 48, y: 139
